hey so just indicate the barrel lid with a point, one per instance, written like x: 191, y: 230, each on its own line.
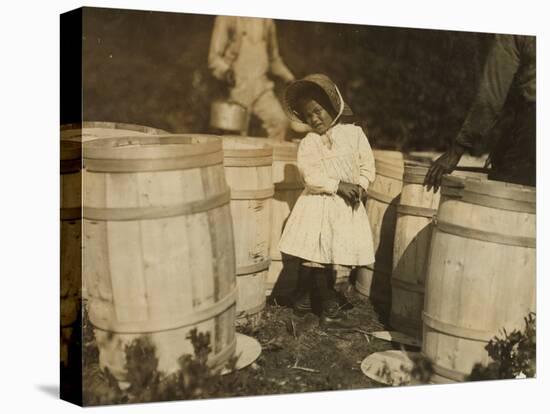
x: 396, y: 337
x: 247, y: 351
x: 152, y: 147
x: 390, y: 367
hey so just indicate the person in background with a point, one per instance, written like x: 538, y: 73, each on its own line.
x: 509, y: 75
x: 243, y: 51
x: 328, y: 225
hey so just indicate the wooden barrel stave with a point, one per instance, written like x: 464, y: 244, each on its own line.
x: 475, y: 287
x: 70, y: 244
x: 157, y: 276
x: 283, y: 272
x: 382, y: 198
x: 248, y: 168
x: 415, y: 212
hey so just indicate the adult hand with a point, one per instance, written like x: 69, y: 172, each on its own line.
x: 349, y: 192
x: 443, y: 165
x: 230, y: 77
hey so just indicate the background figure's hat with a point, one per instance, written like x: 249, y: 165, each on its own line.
x: 295, y: 89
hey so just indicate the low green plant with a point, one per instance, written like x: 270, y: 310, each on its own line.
x: 513, y: 355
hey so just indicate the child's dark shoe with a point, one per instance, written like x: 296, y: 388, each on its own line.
x: 334, y: 319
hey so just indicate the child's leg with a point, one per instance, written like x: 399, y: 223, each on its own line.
x: 302, y: 294
x: 331, y: 310
x: 323, y: 287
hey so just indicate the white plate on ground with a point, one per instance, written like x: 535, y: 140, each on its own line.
x: 247, y: 351
x: 394, y: 336
x: 389, y: 367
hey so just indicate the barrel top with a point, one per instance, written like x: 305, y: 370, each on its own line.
x: 245, y: 147
x: 88, y: 130
x: 479, y: 184
x: 387, y: 154
x: 152, y: 147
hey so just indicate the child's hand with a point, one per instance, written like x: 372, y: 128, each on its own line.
x: 349, y: 192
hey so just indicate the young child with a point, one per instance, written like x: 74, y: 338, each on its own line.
x: 329, y: 223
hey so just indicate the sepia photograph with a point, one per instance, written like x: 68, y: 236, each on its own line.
x: 256, y: 206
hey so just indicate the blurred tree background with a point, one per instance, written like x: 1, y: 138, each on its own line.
x: 410, y: 87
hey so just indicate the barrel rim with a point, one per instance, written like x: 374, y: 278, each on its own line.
x: 157, y: 147
x: 111, y: 125
x: 485, y: 187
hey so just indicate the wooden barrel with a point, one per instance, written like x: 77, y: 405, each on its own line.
x: 382, y: 199
x: 413, y: 232
x: 70, y: 246
x: 481, y: 271
x: 248, y: 170
x: 89, y: 130
x: 283, y: 271
x: 159, y: 256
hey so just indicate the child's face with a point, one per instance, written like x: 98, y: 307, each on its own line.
x: 316, y: 116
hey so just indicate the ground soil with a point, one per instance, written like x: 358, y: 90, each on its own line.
x: 297, y: 356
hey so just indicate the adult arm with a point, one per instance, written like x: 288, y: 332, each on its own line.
x: 276, y: 64
x: 218, y: 45
x: 498, y: 74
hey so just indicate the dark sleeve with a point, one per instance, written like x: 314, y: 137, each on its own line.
x: 500, y: 68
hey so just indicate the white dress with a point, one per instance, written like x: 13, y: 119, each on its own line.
x: 322, y: 228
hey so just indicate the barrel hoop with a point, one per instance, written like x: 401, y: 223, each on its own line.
x: 151, y: 326
x: 401, y: 322
x: 247, y: 162
x: 251, y: 311
x: 259, y: 194
x: 71, y: 166
x: 487, y: 200
x: 416, y: 211
x: 406, y: 285
x: 71, y: 213
x: 409, y: 178
x: 452, y: 192
x: 501, y: 190
x: 449, y: 373
x: 499, y: 203
x: 253, y: 268
x: 388, y: 171
x: 458, y: 331
x: 292, y: 158
x: 151, y: 213
x: 383, y: 198
x: 217, y: 361
x: 248, y: 152
x: 289, y: 186
x: 488, y: 236
x: 149, y: 165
